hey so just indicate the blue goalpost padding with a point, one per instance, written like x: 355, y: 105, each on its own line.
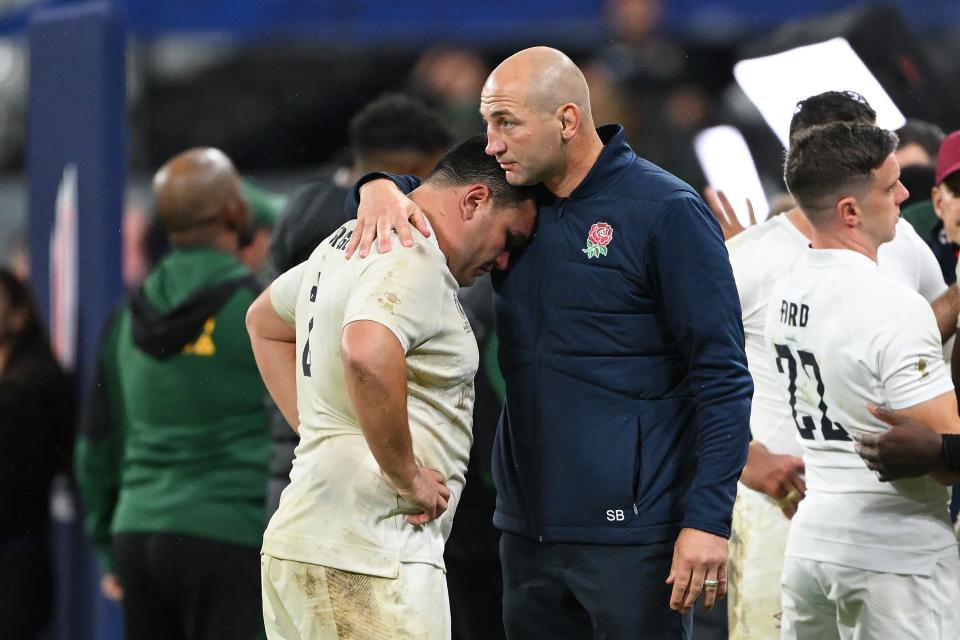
x: 77, y: 119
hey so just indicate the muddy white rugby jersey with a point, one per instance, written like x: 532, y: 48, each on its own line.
x: 337, y: 510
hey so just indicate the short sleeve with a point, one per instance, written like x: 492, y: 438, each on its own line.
x: 403, y: 290
x: 284, y: 291
x: 743, y: 259
x: 912, y: 368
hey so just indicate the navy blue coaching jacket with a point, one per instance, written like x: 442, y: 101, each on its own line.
x: 621, y: 343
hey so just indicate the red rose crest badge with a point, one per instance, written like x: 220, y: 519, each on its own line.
x: 599, y: 237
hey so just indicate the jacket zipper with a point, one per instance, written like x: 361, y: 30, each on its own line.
x: 541, y: 269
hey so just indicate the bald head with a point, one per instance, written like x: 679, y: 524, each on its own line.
x: 544, y: 78
x: 195, y: 188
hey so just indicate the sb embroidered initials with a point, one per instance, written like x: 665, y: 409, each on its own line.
x: 601, y: 234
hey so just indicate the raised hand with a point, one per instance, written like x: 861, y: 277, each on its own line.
x: 724, y: 213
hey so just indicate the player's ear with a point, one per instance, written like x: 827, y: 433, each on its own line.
x: 849, y: 210
x: 936, y: 198
x: 471, y: 200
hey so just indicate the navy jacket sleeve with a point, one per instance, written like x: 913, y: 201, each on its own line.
x: 406, y: 184
x: 689, y: 266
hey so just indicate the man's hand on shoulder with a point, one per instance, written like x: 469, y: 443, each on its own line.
x: 699, y: 566
x: 384, y: 208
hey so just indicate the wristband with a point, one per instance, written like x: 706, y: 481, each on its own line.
x: 950, y: 451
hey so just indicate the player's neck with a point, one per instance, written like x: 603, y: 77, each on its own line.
x: 799, y: 220
x: 430, y: 201
x: 848, y: 241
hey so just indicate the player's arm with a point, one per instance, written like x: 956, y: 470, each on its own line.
x: 274, y: 342
x: 375, y: 365
x: 946, y: 308
x: 914, y: 445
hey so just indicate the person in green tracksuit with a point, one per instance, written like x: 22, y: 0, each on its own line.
x: 174, y: 446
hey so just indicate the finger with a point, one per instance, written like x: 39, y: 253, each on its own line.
x: 801, y: 488
x: 354, y: 240
x: 789, y: 510
x: 710, y: 591
x: 442, y: 505
x: 406, y: 238
x: 419, y: 519
x: 722, y: 579
x: 366, y: 240
x: 419, y: 221
x: 870, y: 454
x: 867, y: 439
x: 444, y: 491
x: 884, y: 414
x: 677, y: 596
x: 694, y: 589
x: 383, y: 235
x: 752, y: 216
x: 727, y: 207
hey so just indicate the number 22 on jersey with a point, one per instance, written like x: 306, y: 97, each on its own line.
x: 806, y: 425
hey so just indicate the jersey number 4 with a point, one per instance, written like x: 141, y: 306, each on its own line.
x: 806, y: 425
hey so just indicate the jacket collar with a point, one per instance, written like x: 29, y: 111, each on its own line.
x: 616, y: 155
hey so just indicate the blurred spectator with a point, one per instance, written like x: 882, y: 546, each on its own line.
x: 265, y: 210
x: 917, y: 153
x: 172, y: 459
x: 919, y: 143
x: 918, y: 180
x: 450, y: 79
x: 135, y: 225
x: 395, y: 133
x: 944, y: 238
x: 36, y: 431
x: 664, y: 82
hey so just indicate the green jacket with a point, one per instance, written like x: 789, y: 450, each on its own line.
x: 175, y: 437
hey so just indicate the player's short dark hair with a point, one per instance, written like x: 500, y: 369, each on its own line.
x: 831, y: 106
x: 397, y: 122
x: 826, y: 161
x: 926, y: 134
x: 468, y: 163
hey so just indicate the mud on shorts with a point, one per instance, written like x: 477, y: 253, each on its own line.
x: 314, y: 602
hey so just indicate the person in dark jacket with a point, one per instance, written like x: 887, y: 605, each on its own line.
x: 36, y: 432
x: 628, y: 397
